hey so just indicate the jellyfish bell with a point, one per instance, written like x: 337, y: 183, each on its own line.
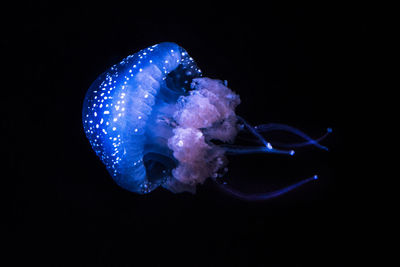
x: 153, y: 120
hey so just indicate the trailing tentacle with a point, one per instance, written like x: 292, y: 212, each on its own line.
x: 263, y: 196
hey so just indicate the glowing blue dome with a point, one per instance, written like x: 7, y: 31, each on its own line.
x: 118, y: 107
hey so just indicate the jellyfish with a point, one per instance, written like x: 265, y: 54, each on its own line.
x: 154, y: 120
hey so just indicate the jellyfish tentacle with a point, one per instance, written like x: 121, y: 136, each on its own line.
x: 264, y: 196
x: 312, y: 142
x: 267, y: 149
x: 236, y: 150
x: 254, y: 131
x: 283, y: 127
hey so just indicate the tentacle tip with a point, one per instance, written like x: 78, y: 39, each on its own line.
x: 329, y: 130
x: 269, y: 146
x: 291, y: 153
x: 315, y: 177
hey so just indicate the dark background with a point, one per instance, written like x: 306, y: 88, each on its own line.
x: 289, y: 64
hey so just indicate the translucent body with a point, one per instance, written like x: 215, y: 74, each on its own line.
x: 121, y: 112
x: 153, y: 121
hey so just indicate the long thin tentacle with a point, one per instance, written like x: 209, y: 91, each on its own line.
x: 283, y: 127
x: 264, y: 196
x: 236, y: 150
x: 268, y: 147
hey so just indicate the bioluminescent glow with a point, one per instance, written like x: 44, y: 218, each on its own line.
x: 153, y: 120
